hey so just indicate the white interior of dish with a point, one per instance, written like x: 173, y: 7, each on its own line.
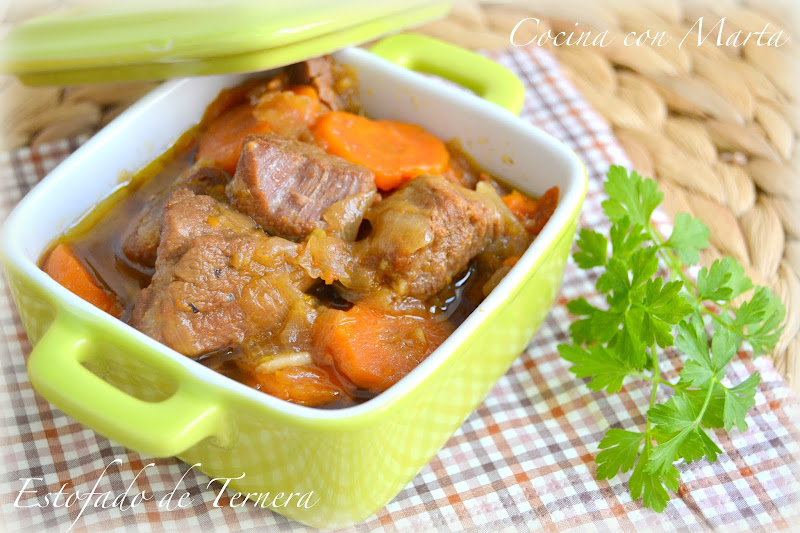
x: 500, y: 142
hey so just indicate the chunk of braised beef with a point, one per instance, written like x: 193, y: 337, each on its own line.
x: 426, y: 233
x: 422, y: 237
x: 286, y: 186
x: 221, y: 283
x: 143, y: 234
x: 319, y: 73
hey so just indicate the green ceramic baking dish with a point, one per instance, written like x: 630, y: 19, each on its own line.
x: 153, y: 400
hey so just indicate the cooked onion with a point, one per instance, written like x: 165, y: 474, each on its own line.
x: 284, y: 360
x: 401, y: 232
x: 345, y: 216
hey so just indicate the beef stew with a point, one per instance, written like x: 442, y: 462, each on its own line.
x: 276, y: 244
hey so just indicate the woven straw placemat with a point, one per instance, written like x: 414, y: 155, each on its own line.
x: 715, y: 125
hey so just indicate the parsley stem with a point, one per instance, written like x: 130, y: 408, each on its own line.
x: 708, y: 399
x: 656, y: 377
x: 653, y: 379
x: 706, y: 402
x: 669, y: 258
x: 716, y: 318
x: 677, y: 268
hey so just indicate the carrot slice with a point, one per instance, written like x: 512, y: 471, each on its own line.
x: 68, y: 270
x: 375, y: 350
x: 522, y: 206
x: 545, y: 208
x: 534, y: 214
x: 303, y: 385
x: 395, y: 151
x: 287, y: 113
x: 222, y: 141
x: 229, y: 98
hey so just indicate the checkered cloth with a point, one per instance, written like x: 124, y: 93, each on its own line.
x: 523, y: 460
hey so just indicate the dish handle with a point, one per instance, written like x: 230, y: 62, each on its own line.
x: 161, y: 429
x: 489, y: 80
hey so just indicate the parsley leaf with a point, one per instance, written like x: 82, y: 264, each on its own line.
x: 689, y: 236
x: 615, y: 278
x: 710, y: 448
x: 600, y: 364
x: 652, y: 488
x: 644, y: 265
x: 701, y: 369
x: 664, y: 307
x: 759, y: 320
x: 647, y: 308
x: 605, y: 324
x: 630, y: 196
x: 593, y: 247
x: 620, y: 450
x: 684, y: 442
x: 626, y: 239
x: 676, y: 426
x: 712, y: 418
x: 739, y: 400
x: 674, y: 415
x: 724, y: 281
x: 678, y: 431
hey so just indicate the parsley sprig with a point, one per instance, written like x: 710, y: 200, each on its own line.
x: 653, y: 303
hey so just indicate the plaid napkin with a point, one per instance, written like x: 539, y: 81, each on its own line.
x: 522, y: 461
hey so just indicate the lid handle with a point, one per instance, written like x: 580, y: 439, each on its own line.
x: 489, y: 80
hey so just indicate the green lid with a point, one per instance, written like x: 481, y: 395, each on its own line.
x: 150, y: 39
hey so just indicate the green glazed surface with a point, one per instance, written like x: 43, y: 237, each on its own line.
x: 151, y: 39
